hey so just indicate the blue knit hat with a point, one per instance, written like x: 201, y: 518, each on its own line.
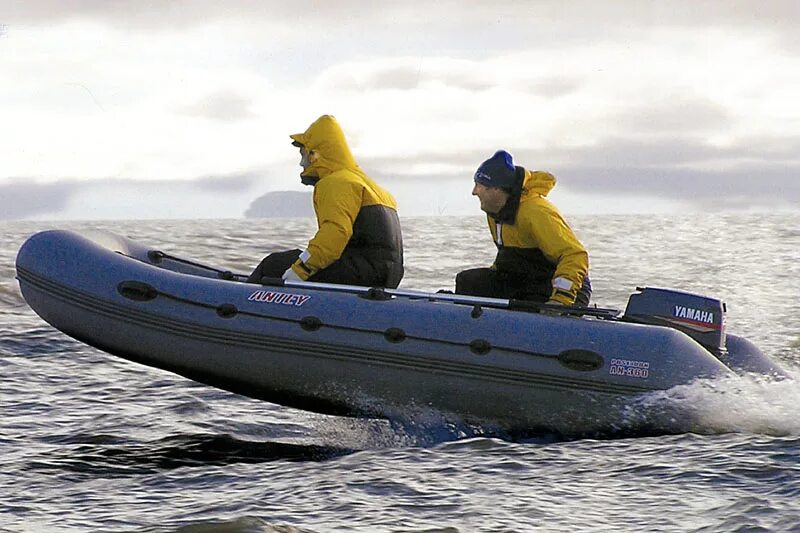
x: 497, y: 171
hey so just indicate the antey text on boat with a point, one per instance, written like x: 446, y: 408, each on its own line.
x: 284, y: 298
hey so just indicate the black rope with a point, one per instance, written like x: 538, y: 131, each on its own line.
x: 156, y: 256
x: 221, y: 274
x: 227, y: 310
x: 377, y: 293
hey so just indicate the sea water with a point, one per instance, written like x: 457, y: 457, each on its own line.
x: 90, y: 442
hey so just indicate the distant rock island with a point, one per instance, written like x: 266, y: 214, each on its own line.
x: 281, y: 204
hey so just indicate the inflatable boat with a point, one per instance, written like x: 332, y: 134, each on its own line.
x: 372, y: 352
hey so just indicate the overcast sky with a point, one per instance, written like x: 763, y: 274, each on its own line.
x: 182, y: 109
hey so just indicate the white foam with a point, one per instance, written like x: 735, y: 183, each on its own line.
x: 748, y: 404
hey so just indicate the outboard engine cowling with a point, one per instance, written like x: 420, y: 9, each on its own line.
x: 700, y: 317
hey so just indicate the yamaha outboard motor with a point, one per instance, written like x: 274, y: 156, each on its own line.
x: 703, y: 319
x: 700, y: 317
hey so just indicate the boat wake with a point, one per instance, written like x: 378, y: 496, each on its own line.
x: 751, y: 403
x: 747, y: 404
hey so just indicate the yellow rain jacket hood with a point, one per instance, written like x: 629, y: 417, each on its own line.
x: 326, y: 138
x: 538, y: 182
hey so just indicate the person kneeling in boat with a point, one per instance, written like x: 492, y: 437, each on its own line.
x: 358, y: 240
x: 539, y: 258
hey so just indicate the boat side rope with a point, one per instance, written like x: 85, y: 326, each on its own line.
x: 157, y: 256
x: 142, y: 292
x: 379, y: 293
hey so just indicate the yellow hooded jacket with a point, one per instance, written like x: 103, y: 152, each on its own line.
x: 539, y: 225
x: 356, y: 218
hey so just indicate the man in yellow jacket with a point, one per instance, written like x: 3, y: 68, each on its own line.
x: 539, y: 257
x: 358, y: 240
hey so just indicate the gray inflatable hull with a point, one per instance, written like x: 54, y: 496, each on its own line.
x: 341, y: 353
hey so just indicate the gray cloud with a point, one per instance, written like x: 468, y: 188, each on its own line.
x: 27, y: 198
x: 554, y: 87
x: 670, y: 152
x: 410, y: 76
x: 545, y: 20
x: 160, y: 14
x: 467, y: 81
x: 715, y: 13
x: 235, y: 182
x: 752, y: 187
x: 615, y: 152
x: 398, y: 77
x: 222, y: 106
x: 401, y: 77
x: 22, y: 199
x: 790, y: 42
x: 673, y: 114
x: 752, y: 173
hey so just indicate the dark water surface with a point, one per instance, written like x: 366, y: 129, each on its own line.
x: 89, y: 442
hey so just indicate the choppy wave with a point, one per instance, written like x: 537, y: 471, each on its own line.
x: 10, y: 297
x: 246, y: 524
x: 107, y: 455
